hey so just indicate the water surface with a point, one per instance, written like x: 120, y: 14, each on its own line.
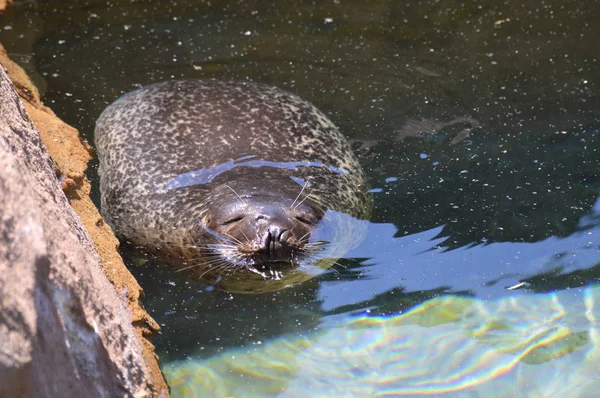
x: 477, y: 124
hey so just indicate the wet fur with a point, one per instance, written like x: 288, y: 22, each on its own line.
x: 154, y: 134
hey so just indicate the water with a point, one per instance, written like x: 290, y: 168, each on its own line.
x: 478, y: 124
x: 546, y: 345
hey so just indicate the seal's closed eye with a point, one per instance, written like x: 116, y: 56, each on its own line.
x: 304, y: 220
x: 232, y: 220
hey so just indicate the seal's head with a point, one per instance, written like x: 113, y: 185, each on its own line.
x: 263, y: 232
x: 260, y: 227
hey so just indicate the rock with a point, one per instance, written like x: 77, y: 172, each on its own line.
x: 64, y: 331
x: 4, y: 3
x: 71, y: 155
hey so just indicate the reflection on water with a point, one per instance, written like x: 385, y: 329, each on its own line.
x: 204, y: 176
x: 478, y: 124
x: 418, y: 263
x: 536, y: 346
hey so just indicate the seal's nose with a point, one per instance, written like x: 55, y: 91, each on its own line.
x: 273, y: 244
x: 275, y: 233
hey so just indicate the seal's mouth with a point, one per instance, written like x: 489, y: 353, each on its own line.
x: 280, y: 256
x: 276, y: 245
x: 265, y: 261
x: 225, y: 259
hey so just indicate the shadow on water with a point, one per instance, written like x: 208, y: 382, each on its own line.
x: 478, y: 124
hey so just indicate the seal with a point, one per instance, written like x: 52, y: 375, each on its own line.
x: 241, y: 185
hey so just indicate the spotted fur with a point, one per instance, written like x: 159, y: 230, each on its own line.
x: 152, y: 135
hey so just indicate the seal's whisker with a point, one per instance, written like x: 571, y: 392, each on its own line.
x: 225, y: 268
x: 336, y: 263
x: 301, y: 240
x: 245, y: 236
x: 234, y: 239
x: 317, y: 243
x: 211, y: 246
x: 302, y: 201
x: 208, y: 270
x: 312, y: 252
x: 314, y: 247
x: 186, y: 268
x: 335, y: 270
x: 221, y: 246
x: 302, y: 190
x: 238, y: 268
x: 202, y: 263
x: 225, y: 265
x: 236, y: 194
x: 212, y: 260
x: 208, y: 255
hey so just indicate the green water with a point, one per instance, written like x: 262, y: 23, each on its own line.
x: 540, y: 346
x: 478, y: 124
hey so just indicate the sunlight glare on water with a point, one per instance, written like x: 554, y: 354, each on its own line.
x: 543, y: 345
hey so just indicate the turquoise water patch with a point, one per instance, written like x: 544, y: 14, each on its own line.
x: 534, y: 346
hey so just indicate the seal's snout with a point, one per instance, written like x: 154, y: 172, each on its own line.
x: 274, y: 244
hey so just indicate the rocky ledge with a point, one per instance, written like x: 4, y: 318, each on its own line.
x: 71, y: 322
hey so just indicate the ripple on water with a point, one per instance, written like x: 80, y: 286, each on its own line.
x: 538, y: 345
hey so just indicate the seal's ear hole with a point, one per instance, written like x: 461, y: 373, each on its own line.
x: 232, y: 220
x: 303, y: 220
